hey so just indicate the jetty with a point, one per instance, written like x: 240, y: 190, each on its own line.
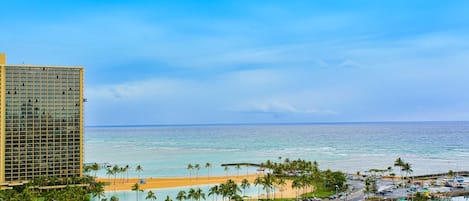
x: 241, y: 164
x: 438, y: 175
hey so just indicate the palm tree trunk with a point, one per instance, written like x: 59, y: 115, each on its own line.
x: 258, y: 192
x: 273, y: 189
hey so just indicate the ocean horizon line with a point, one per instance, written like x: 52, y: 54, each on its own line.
x: 268, y: 124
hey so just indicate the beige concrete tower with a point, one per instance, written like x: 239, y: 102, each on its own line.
x: 41, y: 121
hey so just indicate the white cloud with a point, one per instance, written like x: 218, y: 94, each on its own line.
x: 280, y: 107
x: 146, y: 89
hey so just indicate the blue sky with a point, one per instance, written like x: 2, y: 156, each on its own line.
x: 190, y: 62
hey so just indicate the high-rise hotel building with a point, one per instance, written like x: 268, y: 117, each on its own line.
x: 41, y: 122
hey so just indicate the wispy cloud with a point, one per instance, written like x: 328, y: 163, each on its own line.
x: 280, y: 107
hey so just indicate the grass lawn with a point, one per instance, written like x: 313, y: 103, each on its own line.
x: 320, y: 193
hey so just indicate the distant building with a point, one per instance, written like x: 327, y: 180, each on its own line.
x: 41, y: 122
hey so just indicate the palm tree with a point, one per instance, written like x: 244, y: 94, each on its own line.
x: 197, y: 168
x: 137, y: 189
x: 168, y: 198
x: 257, y: 182
x: 208, y: 166
x: 226, y: 170
x: 230, y: 189
x: 139, y: 169
x: 296, y: 184
x: 244, y: 185
x: 86, y: 169
x: 150, y: 195
x: 392, y: 174
x: 389, y: 170
x: 399, y: 163
x: 199, y: 194
x: 122, y: 171
x: 191, y: 194
x: 114, y: 198
x: 247, y: 169
x: 109, y: 173
x: 407, y: 168
x: 281, y: 182
x: 97, y: 189
x: 214, y: 190
x: 223, y: 191
x: 267, y: 183
x: 95, y: 168
x: 115, y: 171
x: 238, y: 167
x: 127, y: 168
x: 190, y: 167
x: 268, y: 165
x: 181, y: 196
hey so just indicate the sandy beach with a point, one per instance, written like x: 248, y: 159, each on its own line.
x: 166, y: 182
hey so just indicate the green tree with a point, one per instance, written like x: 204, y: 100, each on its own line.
x: 267, y: 183
x: 236, y: 198
x: 181, y: 196
x: 139, y: 169
x: 191, y: 194
x: 245, y: 185
x: 197, y: 168
x: 214, y: 192
x: 370, y: 185
x: 168, y: 198
x: 229, y: 189
x: 109, y: 173
x: 208, y: 166
x: 150, y: 195
x: 281, y: 182
x: 137, y: 189
x: 115, y: 170
x: 393, y: 175
x: 199, y: 194
x: 95, y: 168
x: 122, y: 171
x: 407, y: 168
x: 86, y: 169
x: 226, y: 170
x: 258, y: 182
x: 247, y: 169
x: 450, y: 173
x: 399, y: 163
x: 127, y: 168
x: 296, y: 184
x: 238, y: 167
x: 190, y: 167
x: 420, y: 197
x: 97, y: 189
x: 389, y: 170
x: 114, y: 198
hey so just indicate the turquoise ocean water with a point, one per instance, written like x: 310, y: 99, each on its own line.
x: 165, y: 151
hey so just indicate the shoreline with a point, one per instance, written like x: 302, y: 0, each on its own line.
x: 170, y: 182
x: 156, y: 183
x: 125, y: 184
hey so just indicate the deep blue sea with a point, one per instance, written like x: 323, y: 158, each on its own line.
x: 165, y: 151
